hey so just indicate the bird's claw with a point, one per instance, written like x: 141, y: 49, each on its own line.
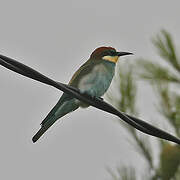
x: 89, y: 94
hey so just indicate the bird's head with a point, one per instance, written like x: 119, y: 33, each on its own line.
x: 108, y: 54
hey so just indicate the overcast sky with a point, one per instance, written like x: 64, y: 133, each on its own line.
x: 56, y: 37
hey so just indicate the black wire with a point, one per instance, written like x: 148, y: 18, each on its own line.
x: 96, y: 102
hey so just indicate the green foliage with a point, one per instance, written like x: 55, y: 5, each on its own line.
x: 169, y: 161
x: 165, y: 80
x: 166, y: 49
x: 154, y: 72
x: 170, y: 107
x: 124, y: 173
x: 128, y: 89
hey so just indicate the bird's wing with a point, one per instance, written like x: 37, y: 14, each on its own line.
x: 82, y: 71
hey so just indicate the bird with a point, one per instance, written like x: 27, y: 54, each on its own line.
x: 93, y: 78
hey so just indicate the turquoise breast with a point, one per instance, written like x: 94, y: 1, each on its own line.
x: 103, y: 79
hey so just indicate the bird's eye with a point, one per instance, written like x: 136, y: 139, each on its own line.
x: 111, y: 53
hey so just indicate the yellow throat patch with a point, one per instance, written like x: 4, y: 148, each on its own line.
x: 113, y: 59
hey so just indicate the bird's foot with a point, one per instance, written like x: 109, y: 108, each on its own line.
x: 87, y: 93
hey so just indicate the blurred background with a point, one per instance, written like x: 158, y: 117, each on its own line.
x: 55, y: 38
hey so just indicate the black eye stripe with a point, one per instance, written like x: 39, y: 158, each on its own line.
x: 111, y: 53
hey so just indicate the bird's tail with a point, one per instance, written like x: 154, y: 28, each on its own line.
x: 43, y: 129
x: 65, y: 108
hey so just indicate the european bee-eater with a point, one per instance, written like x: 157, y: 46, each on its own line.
x: 93, y: 77
x: 74, y: 93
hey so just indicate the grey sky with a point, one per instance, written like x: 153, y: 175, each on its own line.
x: 56, y: 37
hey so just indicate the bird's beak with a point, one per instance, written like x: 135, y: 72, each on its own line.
x: 123, y: 53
